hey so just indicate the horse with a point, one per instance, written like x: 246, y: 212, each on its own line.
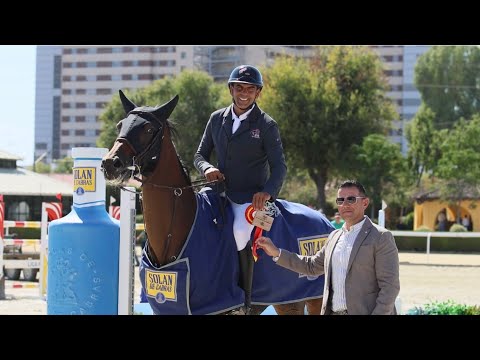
x: 174, y: 276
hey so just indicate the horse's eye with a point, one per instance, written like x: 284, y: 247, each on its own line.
x: 150, y: 131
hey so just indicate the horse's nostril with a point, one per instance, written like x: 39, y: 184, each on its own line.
x: 117, y: 162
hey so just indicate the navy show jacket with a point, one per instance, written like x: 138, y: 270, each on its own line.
x: 252, y: 159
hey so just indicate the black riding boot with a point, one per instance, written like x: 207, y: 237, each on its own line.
x: 245, y: 258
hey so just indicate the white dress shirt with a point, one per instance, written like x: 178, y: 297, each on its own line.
x: 340, y: 258
x: 237, y: 120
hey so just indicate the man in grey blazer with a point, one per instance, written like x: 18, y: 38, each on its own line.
x: 360, y: 260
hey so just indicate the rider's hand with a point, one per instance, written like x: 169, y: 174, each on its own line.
x: 213, y: 174
x: 259, y: 199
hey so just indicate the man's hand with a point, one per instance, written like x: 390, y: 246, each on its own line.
x: 258, y: 201
x: 266, y: 244
x: 213, y: 174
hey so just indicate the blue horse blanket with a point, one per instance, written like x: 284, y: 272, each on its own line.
x: 204, y: 278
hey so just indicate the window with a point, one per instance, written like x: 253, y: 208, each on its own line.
x: 20, y: 211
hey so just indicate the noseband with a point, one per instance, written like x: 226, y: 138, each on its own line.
x: 156, y: 144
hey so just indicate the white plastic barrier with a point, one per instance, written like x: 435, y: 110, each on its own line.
x: 429, y: 235
x: 126, y: 271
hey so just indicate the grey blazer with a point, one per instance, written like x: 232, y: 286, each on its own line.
x: 372, y: 283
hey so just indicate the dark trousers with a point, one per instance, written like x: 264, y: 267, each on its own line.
x: 245, y: 260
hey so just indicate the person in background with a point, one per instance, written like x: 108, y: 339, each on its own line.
x: 142, y: 238
x: 466, y: 222
x: 442, y: 221
x: 250, y: 157
x: 337, y: 221
x: 401, y: 224
x: 360, y: 260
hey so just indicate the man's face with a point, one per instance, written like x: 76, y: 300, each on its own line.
x: 244, y: 95
x: 352, y: 213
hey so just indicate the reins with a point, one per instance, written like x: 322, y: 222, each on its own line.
x: 178, y: 191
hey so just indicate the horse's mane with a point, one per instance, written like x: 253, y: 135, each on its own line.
x: 173, y: 130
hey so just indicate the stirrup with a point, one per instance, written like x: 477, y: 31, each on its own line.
x: 238, y: 311
x: 247, y: 309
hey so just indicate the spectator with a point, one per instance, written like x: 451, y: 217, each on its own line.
x: 466, y: 222
x: 337, y: 221
x: 142, y: 238
x: 401, y: 225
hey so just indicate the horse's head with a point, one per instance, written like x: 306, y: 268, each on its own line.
x: 139, y: 140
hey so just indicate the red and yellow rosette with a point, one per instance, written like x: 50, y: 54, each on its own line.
x: 249, y: 215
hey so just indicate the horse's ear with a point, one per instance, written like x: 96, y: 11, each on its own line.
x: 164, y: 111
x: 127, y: 104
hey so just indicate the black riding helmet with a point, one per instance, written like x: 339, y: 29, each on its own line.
x: 246, y: 74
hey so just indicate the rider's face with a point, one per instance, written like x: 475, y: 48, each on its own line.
x: 243, y: 96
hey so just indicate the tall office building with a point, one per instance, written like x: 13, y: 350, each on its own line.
x: 47, y: 103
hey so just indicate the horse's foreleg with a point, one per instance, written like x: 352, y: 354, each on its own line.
x: 296, y: 308
x: 314, y: 306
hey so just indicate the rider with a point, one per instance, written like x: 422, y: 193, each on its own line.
x: 250, y: 160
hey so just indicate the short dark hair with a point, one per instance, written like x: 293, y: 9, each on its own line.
x: 355, y: 184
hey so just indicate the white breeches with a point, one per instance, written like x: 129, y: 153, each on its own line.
x: 242, y: 229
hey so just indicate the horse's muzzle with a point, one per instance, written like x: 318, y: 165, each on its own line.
x: 112, y: 167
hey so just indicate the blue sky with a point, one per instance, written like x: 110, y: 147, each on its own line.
x: 17, y: 99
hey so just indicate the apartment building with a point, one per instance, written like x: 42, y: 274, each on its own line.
x: 219, y: 61
x: 75, y: 82
x: 399, y: 62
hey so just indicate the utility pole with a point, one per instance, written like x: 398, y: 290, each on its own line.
x: 38, y: 160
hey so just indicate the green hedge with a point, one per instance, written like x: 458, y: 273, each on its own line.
x: 448, y: 307
x: 24, y: 233
x: 446, y: 244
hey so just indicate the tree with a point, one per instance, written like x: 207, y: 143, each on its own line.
x: 423, y: 151
x: 379, y: 166
x: 459, y: 165
x: 64, y: 166
x: 199, y: 96
x: 448, y: 79
x: 41, y: 168
x: 325, y: 105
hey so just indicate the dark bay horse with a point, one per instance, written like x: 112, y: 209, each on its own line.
x: 171, y: 207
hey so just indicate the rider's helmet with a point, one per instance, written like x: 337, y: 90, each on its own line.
x: 246, y: 74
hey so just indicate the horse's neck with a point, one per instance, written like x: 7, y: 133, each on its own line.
x: 164, y: 212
